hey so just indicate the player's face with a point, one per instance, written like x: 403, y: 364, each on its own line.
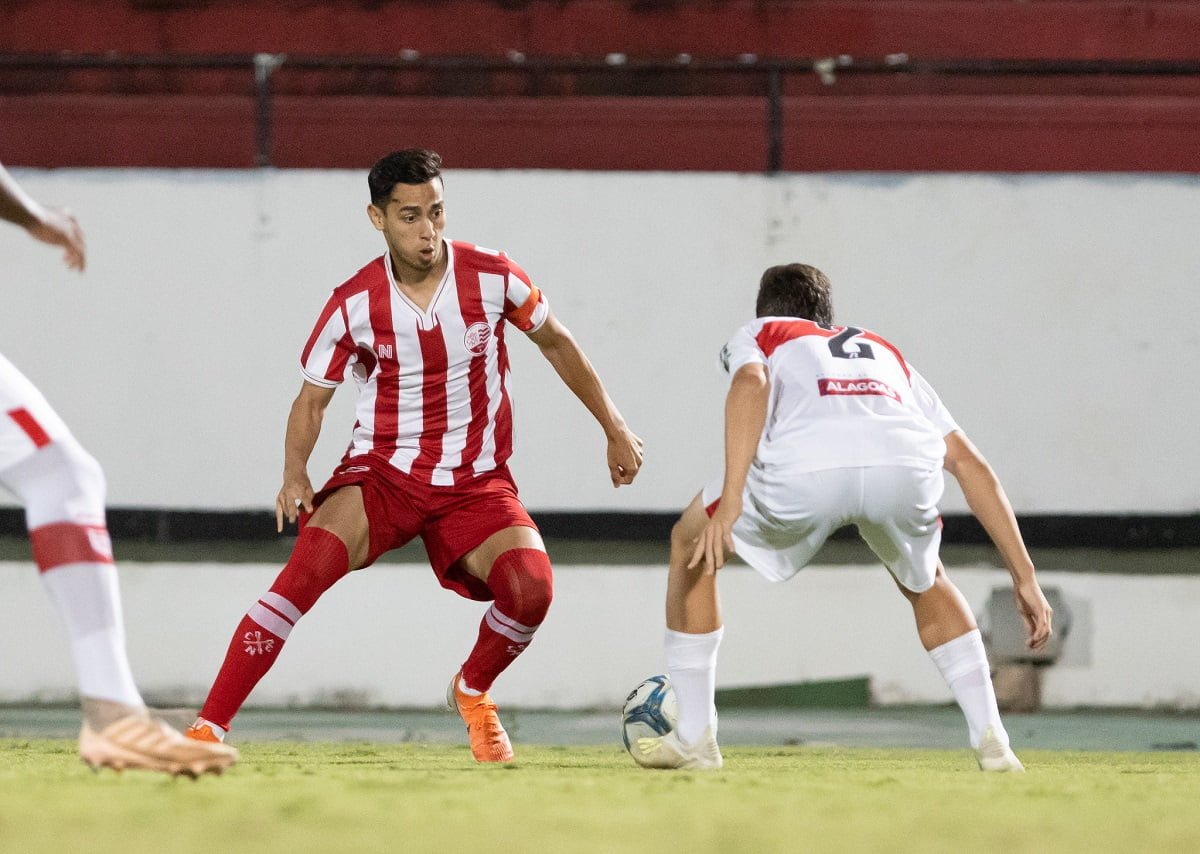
x: 412, y: 222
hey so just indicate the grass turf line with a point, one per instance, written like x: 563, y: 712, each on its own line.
x: 290, y: 797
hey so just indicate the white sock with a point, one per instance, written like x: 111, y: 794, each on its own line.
x: 89, y: 601
x: 692, y: 669
x: 964, y: 665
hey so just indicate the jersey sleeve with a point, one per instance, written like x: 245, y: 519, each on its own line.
x: 525, y: 306
x: 741, y: 350
x: 930, y: 404
x: 330, y: 347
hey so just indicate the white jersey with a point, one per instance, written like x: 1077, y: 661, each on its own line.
x: 433, y: 397
x: 841, y: 397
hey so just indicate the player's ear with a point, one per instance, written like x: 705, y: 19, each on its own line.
x: 376, y: 215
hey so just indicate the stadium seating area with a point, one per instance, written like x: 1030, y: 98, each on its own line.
x: 605, y: 84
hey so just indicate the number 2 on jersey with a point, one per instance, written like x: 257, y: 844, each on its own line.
x: 837, y: 344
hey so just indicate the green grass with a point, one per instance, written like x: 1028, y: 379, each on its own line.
x: 287, y: 797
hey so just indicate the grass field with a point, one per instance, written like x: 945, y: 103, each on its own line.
x: 290, y: 797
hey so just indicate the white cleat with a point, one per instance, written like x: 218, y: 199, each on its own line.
x: 995, y: 755
x: 142, y: 742
x: 667, y: 751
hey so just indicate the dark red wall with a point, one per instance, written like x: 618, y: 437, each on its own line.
x: 1063, y: 29
x: 870, y: 122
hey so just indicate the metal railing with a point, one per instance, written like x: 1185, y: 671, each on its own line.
x: 769, y: 73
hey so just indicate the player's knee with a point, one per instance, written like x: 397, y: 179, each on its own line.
x: 523, y: 582
x: 319, y: 559
x: 683, y: 536
x: 87, y: 476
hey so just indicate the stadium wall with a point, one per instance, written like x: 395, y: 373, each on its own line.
x: 360, y: 646
x: 1055, y: 314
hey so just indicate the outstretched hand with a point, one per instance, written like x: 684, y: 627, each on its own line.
x: 717, y: 537
x: 1036, y: 612
x: 624, y: 457
x: 57, y: 226
x: 295, y: 495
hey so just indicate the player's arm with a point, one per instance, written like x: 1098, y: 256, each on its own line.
x: 49, y: 225
x: 987, y: 500
x: 303, y: 428
x: 745, y: 417
x: 569, y: 362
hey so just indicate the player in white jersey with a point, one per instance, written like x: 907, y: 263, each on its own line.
x: 421, y: 330
x: 827, y: 426
x: 61, y: 487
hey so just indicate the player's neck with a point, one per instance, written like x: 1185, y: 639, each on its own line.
x: 418, y: 285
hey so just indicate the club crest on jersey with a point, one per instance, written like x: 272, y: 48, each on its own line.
x: 477, y: 338
x: 827, y: 386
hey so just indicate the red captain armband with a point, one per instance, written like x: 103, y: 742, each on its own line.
x: 522, y: 316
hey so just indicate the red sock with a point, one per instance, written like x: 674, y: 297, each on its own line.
x: 318, y: 561
x: 523, y: 584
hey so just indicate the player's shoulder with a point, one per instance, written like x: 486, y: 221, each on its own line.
x: 371, y: 275
x: 480, y: 257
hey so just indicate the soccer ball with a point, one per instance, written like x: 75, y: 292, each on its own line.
x: 649, y: 710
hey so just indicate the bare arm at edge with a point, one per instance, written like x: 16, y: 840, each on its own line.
x: 55, y: 226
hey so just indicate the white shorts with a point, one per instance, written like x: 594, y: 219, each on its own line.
x: 787, y: 518
x: 27, y: 421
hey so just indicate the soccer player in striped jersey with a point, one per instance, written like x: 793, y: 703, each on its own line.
x: 421, y: 330
x: 61, y: 487
x: 827, y: 426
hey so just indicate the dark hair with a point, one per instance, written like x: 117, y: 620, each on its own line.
x: 794, y: 290
x: 410, y: 166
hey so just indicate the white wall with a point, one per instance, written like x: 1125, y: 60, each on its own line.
x: 389, y: 635
x: 1057, y: 315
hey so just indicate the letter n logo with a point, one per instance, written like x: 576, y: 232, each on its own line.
x: 385, y: 351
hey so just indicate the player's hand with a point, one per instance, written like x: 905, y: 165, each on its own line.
x: 624, y: 457
x: 1035, y: 611
x: 57, y: 226
x: 296, y: 494
x: 717, y: 537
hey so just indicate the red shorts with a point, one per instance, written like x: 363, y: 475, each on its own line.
x: 451, y: 520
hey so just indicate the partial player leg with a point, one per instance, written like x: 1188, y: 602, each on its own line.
x: 62, y: 489
x: 335, y: 540
x: 517, y: 571
x: 694, y: 629
x: 949, y: 634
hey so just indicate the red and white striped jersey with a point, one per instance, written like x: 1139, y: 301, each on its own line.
x: 841, y: 397
x: 433, y: 396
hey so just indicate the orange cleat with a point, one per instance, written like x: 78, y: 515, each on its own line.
x: 202, y: 730
x: 489, y: 741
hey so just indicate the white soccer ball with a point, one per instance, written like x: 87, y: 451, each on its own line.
x: 650, y: 710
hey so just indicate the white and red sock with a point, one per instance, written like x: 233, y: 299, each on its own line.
x: 62, y: 489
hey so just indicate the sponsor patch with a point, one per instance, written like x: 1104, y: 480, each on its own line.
x: 829, y: 386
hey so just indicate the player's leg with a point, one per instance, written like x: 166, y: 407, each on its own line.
x: 335, y: 541
x: 949, y: 634
x: 905, y: 533
x: 694, y: 628
x: 62, y: 489
x: 513, y: 564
